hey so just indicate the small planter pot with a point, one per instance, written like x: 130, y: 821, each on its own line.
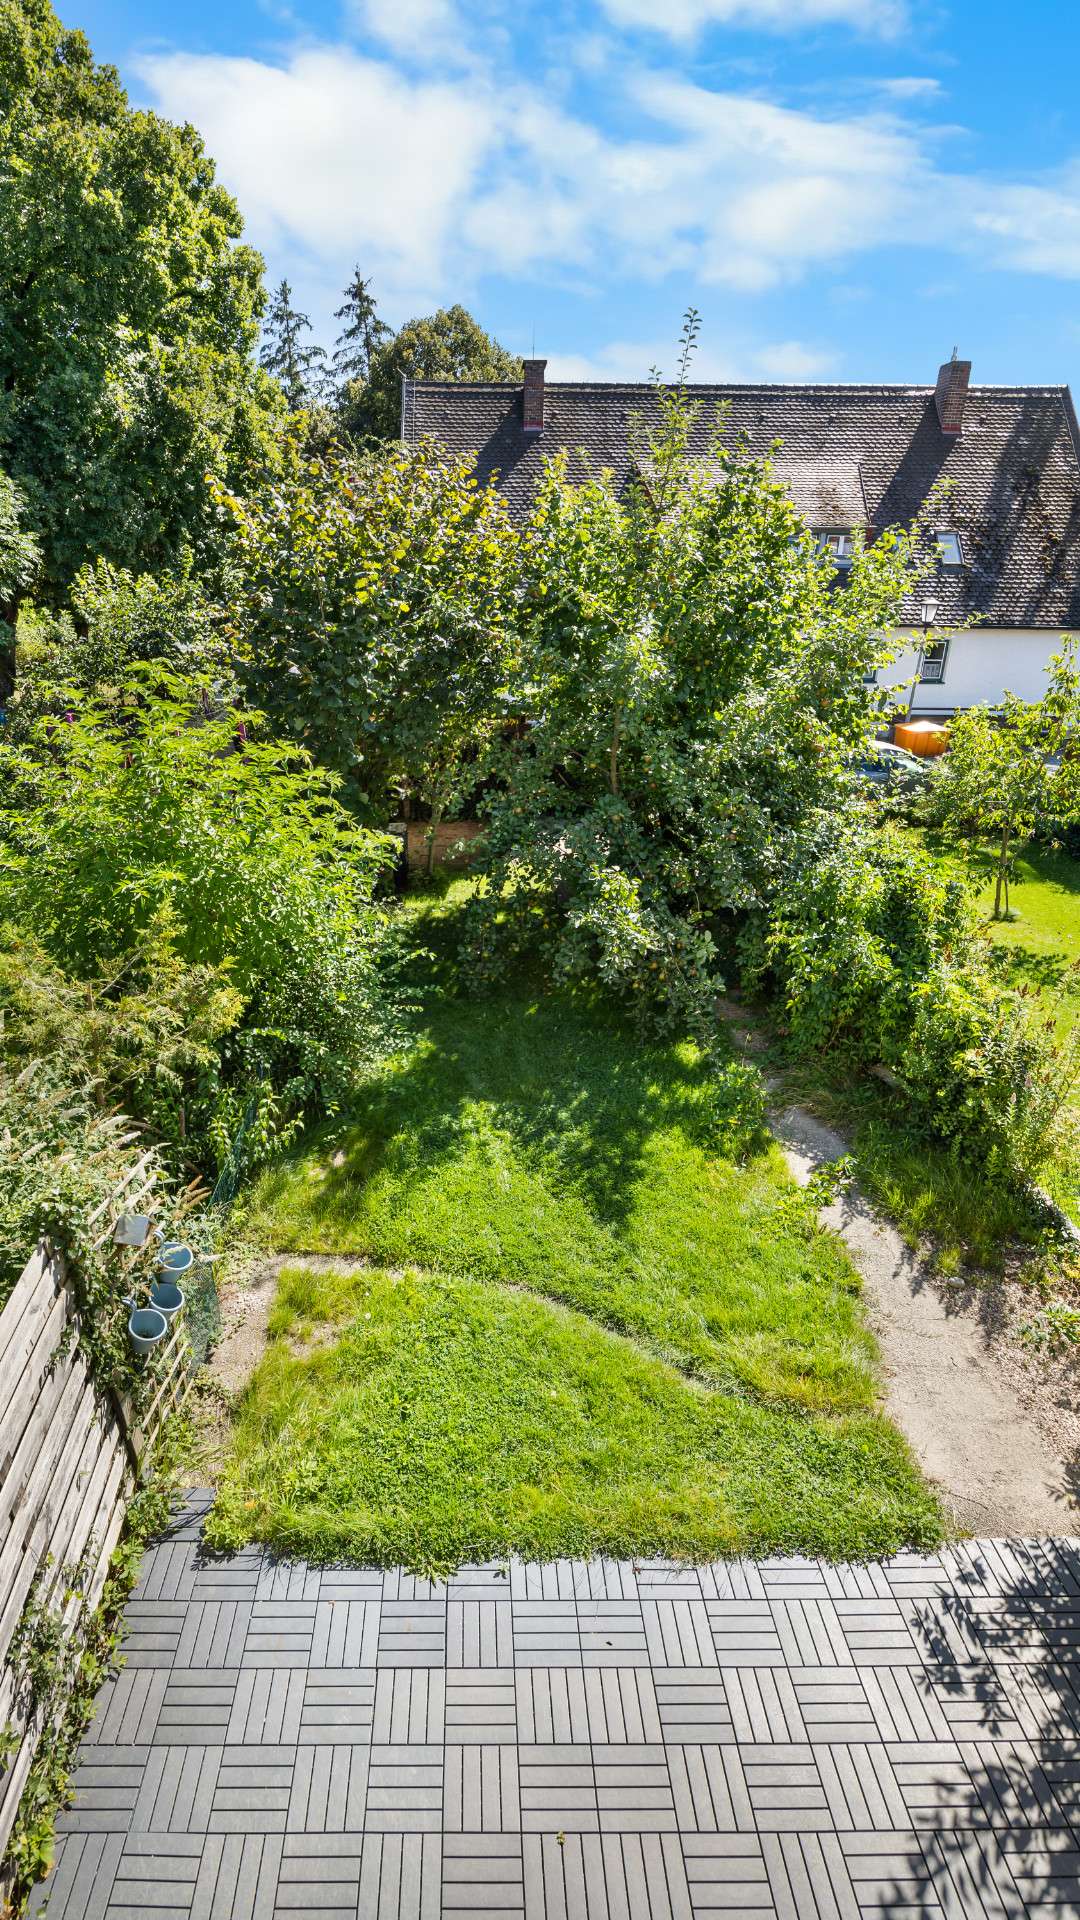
x: 174, y: 1259
x: 167, y: 1298
x: 146, y: 1328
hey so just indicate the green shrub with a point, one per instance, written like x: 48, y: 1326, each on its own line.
x: 873, y: 948
x: 118, y: 622
x: 205, y: 883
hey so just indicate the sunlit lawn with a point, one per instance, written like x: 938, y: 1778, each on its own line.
x: 972, y: 1220
x: 582, y: 1329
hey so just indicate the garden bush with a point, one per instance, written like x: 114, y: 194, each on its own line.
x: 117, y: 621
x: 207, y: 889
x: 874, y: 951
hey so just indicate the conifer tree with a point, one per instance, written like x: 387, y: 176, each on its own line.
x: 296, y: 365
x: 363, y: 333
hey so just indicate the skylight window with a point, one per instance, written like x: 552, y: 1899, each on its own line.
x: 950, y: 552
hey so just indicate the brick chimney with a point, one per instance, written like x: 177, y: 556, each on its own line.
x: 532, y: 403
x: 951, y: 392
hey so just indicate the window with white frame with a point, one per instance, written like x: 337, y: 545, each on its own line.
x: 837, y: 542
x: 932, y: 663
x: 950, y: 551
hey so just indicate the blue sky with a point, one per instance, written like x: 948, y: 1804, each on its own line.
x: 847, y: 189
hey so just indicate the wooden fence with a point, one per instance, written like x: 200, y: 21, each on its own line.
x: 69, y: 1461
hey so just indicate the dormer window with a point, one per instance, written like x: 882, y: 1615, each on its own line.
x: 837, y: 543
x: 950, y: 552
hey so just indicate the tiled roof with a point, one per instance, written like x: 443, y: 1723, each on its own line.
x: 850, y: 455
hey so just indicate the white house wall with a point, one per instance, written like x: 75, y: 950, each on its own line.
x: 981, y: 666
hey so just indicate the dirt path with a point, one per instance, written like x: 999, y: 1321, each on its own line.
x: 998, y: 1468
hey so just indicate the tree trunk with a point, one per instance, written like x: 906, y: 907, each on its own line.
x: 616, y: 733
x: 433, y: 828
x: 1002, y: 875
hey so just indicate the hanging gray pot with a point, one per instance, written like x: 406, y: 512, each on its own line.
x: 146, y: 1327
x: 174, y: 1258
x: 167, y: 1298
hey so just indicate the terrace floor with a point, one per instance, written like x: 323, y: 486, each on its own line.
x: 584, y: 1741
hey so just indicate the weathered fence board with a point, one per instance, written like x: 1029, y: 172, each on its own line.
x: 68, y: 1464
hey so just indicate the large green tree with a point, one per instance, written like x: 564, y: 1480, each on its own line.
x: 448, y: 345
x: 372, y: 602
x: 128, y: 312
x: 362, y: 334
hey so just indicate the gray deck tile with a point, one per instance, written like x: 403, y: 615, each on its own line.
x: 345, y: 1633
x: 546, y: 1633
x: 409, y: 1707
x: 482, y: 1793
x: 808, y: 1877
x: 481, y: 1705
x: 726, y: 1874
x: 612, y: 1633
x: 328, y: 1789
x: 400, y: 1876
x: 586, y: 1740
x: 214, y: 1634
x: 479, y: 1631
x: 709, y: 1789
x: 483, y: 1873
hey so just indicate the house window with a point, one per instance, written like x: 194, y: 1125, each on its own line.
x: 839, y: 545
x: 950, y: 552
x: 934, y: 655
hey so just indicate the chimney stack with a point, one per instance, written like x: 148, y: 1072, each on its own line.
x: 951, y: 392
x: 532, y: 404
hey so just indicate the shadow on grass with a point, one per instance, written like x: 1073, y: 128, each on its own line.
x: 1018, y: 965
x: 561, y: 1074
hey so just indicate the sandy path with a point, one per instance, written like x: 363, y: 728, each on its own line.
x: 944, y: 1387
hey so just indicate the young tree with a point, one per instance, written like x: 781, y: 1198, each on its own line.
x: 142, y: 841
x: 448, y: 345
x: 361, y: 336
x: 128, y: 313
x: 295, y: 364
x: 1007, y: 767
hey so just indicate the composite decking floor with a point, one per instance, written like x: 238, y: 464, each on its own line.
x: 584, y: 1741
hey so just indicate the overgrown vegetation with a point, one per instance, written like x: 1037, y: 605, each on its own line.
x: 205, y: 912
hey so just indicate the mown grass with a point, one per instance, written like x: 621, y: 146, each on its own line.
x: 615, y: 1338
x: 1040, y: 942
x: 972, y: 1220
x: 451, y: 1419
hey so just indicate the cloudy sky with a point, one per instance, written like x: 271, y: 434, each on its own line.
x: 847, y: 189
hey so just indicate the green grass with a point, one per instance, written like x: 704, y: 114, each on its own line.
x: 973, y: 1221
x: 1040, y: 944
x: 452, y: 1419
x: 609, y: 1337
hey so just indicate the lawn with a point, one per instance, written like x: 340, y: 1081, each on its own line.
x: 973, y: 1221
x: 581, y: 1328
x: 1041, y: 942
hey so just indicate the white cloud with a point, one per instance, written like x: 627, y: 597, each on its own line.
x: 416, y: 28
x: 911, y: 87
x: 337, y: 156
x: 685, y: 19
x: 431, y: 183
x: 1035, y: 229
